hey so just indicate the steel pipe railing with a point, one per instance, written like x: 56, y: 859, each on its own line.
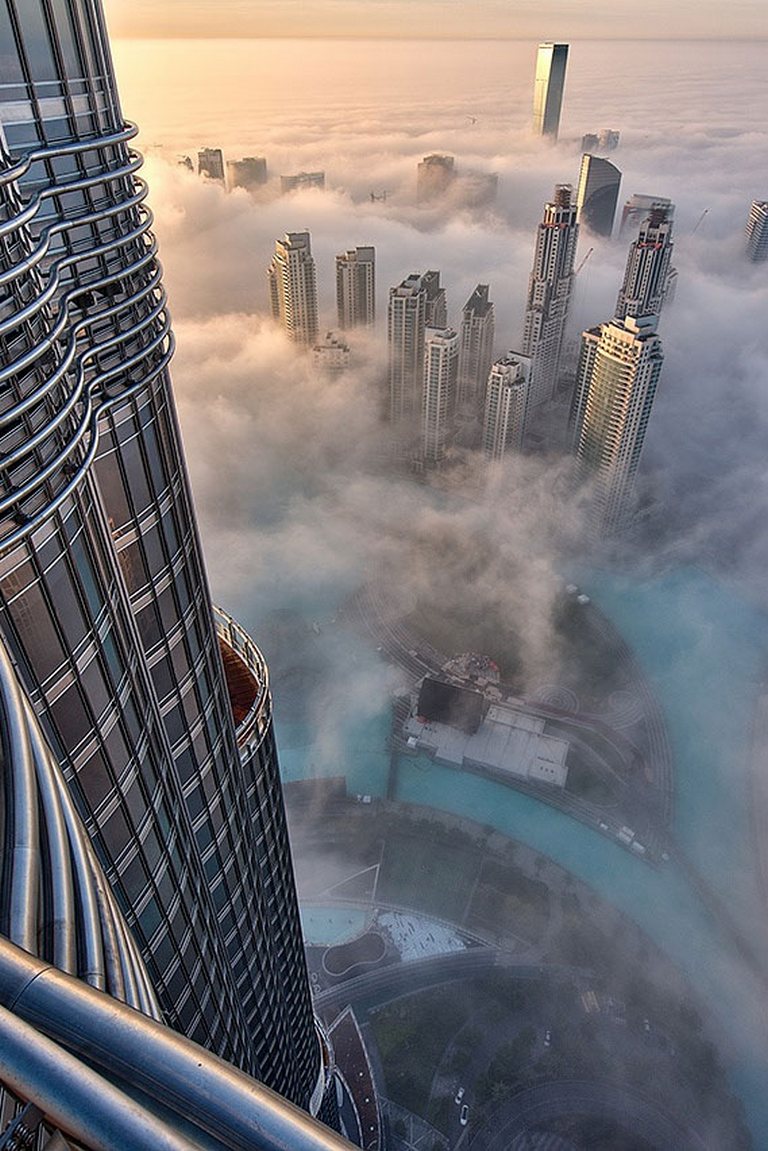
x: 193, y: 1092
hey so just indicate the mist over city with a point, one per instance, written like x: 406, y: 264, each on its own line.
x: 302, y: 508
x: 448, y: 823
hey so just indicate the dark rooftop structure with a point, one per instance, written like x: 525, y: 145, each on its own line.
x: 455, y: 706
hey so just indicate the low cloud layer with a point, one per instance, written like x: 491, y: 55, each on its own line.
x: 297, y: 500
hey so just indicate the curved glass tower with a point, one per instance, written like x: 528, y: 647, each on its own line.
x: 104, y: 606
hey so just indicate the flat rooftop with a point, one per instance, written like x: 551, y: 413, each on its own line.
x: 508, y: 741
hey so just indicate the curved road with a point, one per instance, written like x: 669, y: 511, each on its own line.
x: 529, y: 1109
x: 399, y: 979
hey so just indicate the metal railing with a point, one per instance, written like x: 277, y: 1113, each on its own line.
x: 54, y: 898
x: 114, y: 1080
x: 77, y: 385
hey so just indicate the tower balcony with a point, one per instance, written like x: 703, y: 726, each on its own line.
x: 247, y: 678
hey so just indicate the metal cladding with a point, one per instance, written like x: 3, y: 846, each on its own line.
x: 104, y: 606
x: 54, y: 899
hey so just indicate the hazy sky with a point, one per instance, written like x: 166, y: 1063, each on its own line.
x: 534, y: 19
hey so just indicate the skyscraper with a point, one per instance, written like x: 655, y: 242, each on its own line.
x: 248, y: 173
x: 638, y: 206
x: 616, y: 382
x: 441, y: 361
x: 356, y: 288
x: 161, y: 720
x: 301, y: 181
x: 548, y: 88
x: 506, y: 406
x: 415, y: 304
x: 549, y: 293
x: 598, y: 194
x: 756, y: 231
x: 210, y: 163
x: 644, y: 287
x: 608, y: 139
x: 476, y: 347
x: 434, y: 176
x: 292, y: 288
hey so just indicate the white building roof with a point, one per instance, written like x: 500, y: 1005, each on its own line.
x: 508, y: 741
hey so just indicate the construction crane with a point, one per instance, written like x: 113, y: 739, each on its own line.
x: 699, y: 221
x: 583, y: 262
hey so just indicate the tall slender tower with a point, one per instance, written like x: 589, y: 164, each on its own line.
x: 616, y: 383
x: 548, y: 88
x: 598, y: 194
x: 549, y: 293
x: 161, y: 720
x: 356, y: 288
x: 415, y: 304
x: 441, y: 361
x: 292, y: 288
x: 476, y: 348
x: 644, y: 287
x: 756, y: 231
x: 506, y: 406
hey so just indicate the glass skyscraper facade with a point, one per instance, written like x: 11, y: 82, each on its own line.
x: 598, y: 194
x: 160, y: 719
x: 549, y: 85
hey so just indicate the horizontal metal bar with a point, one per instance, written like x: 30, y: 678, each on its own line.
x: 76, y: 1099
x: 131, y: 1049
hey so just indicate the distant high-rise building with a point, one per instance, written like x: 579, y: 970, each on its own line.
x: 159, y: 716
x: 248, y: 173
x: 549, y: 293
x: 441, y: 361
x: 506, y: 405
x: 356, y: 288
x: 756, y: 231
x: 606, y: 140
x: 644, y: 287
x: 436, y: 307
x: 210, y: 163
x: 301, y: 181
x: 638, y: 207
x: 478, y: 189
x: 476, y: 347
x: 551, y: 61
x: 186, y: 162
x: 434, y: 176
x: 616, y: 382
x: 415, y: 304
x: 598, y: 193
x: 331, y: 355
x: 292, y: 288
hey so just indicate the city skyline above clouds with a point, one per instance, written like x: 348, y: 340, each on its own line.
x: 437, y: 19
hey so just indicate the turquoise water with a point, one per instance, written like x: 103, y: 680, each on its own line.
x: 325, y: 926
x: 703, y: 651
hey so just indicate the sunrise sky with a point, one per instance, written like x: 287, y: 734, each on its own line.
x: 477, y: 19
